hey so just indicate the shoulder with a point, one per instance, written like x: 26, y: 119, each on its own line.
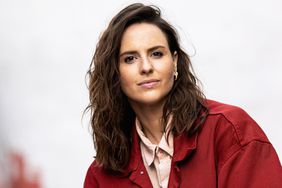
x: 96, y: 172
x: 97, y: 176
x: 241, y: 126
x: 231, y: 129
x: 90, y: 178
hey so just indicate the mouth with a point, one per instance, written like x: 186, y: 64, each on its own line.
x: 149, y: 83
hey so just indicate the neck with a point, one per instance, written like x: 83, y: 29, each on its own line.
x: 150, y: 118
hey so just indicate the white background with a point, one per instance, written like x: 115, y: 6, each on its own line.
x: 46, y: 47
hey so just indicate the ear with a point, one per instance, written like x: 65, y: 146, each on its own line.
x: 175, y: 59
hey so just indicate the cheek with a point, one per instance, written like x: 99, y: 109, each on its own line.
x: 126, y: 80
x: 123, y: 83
x: 169, y: 75
x: 171, y: 72
x: 168, y: 72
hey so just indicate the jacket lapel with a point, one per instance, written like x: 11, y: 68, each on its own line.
x: 136, y: 169
x: 183, y: 148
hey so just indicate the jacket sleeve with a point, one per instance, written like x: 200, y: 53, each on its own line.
x: 90, y: 180
x: 253, y: 165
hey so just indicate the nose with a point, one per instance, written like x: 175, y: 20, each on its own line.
x: 146, y: 66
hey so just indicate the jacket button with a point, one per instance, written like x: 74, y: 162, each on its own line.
x: 177, y: 168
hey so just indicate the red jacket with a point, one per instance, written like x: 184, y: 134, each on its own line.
x: 229, y: 151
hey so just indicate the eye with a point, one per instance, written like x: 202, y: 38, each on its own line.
x: 157, y: 54
x: 129, y: 59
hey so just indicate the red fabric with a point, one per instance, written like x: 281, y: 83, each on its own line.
x: 230, y: 151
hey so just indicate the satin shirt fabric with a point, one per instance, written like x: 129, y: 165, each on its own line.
x: 157, y: 157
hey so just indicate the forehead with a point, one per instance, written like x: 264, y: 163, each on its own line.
x: 142, y: 36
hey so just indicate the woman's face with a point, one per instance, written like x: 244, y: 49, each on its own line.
x: 146, y: 64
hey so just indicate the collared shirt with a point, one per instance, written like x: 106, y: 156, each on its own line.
x: 157, y: 158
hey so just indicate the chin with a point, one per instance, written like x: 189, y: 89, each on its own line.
x: 149, y: 100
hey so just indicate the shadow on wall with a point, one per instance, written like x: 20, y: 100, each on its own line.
x: 19, y: 175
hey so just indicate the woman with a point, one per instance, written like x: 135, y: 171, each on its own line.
x: 153, y: 127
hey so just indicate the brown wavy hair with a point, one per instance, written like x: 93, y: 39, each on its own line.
x: 112, y: 117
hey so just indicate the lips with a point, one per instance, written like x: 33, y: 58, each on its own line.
x: 149, y: 83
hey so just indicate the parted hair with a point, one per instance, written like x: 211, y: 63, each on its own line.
x: 111, y: 116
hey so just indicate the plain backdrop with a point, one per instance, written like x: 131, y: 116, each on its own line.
x: 46, y: 47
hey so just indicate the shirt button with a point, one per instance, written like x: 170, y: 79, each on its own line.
x: 142, y: 172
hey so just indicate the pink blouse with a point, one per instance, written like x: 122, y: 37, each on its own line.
x: 157, y: 158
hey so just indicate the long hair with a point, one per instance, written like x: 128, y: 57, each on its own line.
x: 112, y: 117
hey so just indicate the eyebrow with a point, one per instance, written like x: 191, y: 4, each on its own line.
x: 149, y: 50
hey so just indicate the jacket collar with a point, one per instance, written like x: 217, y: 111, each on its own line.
x: 184, y: 145
x: 136, y: 170
x: 135, y: 156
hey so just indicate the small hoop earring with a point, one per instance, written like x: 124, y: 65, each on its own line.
x: 175, y: 75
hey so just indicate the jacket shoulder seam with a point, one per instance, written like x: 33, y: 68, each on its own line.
x: 241, y: 148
